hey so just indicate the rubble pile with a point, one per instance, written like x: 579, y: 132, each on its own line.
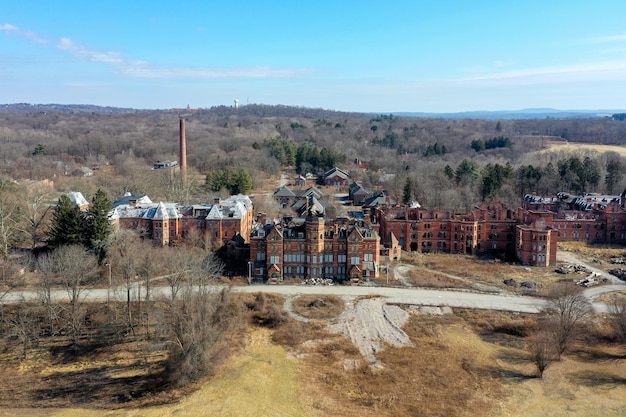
x: 619, y: 273
x: 318, y: 281
x: 572, y: 269
x: 589, y: 281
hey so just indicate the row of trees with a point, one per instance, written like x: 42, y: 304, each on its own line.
x: 238, y: 182
x: 498, y: 142
x: 188, y: 321
x: 91, y: 228
x: 461, y: 186
x: 306, y: 157
x: 435, y: 149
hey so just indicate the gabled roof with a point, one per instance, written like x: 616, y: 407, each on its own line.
x: 215, y: 213
x: 356, y: 189
x: 356, y: 233
x: 379, y: 199
x: 310, y: 205
x: 284, y: 191
x: 129, y: 198
x: 311, y: 191
x: 162, y: 211
x: 336, y: 172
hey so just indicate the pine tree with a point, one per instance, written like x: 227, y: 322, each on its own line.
x: 241, y: 182
x: 407, y: 194
x: 67, y: 224
x: 97, y: 224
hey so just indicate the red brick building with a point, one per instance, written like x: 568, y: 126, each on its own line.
x: 336, y: 177
x: 489, y: 228
x: 315, y: 247
x: 165, y: 223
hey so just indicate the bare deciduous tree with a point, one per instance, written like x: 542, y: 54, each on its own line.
x: 8, y: 226
x: 541, y: 351
x: 23, y: 326
x: 124, y: 259
x: 197, y: 320
x: 618, y: 316
x: 48, y: 279
x: 75, y: 268
x: 568, y: 308
x: 35, y: 209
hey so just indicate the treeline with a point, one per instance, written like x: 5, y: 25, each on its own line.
x: 508, y: 183
x: 72, y: 226
x: 238, y: 182
x: 266, y: 139
x: 498, y: 142
x: 306, y: 157
x: 435, y: 149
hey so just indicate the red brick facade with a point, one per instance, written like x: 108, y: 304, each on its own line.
x: 315, y: 249
x: 165, y: 223
x: 490, y: 228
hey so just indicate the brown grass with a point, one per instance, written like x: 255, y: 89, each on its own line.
x: 474, y: 363
x: 432, y: 378
x: 489, y: 272
x: 433, y: 279
x: 318, y: 307
x: 559, y: 146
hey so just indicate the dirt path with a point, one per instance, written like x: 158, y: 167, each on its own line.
x: 371, y: 323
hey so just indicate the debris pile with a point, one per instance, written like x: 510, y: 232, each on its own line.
x: 318, y: 281
x: 619, y: 273
x: 589, y: 281
x: 572, y: 269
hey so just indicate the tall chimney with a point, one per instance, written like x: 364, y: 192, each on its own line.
x: 183, y: 149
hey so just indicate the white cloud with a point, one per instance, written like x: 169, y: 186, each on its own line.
x: 597, y: 71
x: 608, y: 39
x: 143, y: 69
x: 6, y: 27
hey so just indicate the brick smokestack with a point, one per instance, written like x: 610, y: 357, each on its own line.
x: 183, y: 148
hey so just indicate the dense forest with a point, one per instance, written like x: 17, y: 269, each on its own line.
x: 443, y: 163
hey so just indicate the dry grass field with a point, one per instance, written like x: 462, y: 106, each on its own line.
x: 564, y: 146
x: 440, y: 270
x: 469, y: 363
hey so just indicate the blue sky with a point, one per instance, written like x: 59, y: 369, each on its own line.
x: 366, y: 56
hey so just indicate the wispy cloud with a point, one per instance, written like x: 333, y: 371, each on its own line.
x: 618, y: 38
x: 596, y: 71
x: 143, y: 69
x: 8, y: 28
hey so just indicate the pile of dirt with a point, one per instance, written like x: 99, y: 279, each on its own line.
x: 370, y: 324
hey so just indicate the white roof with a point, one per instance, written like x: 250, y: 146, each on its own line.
x: 78, y: 198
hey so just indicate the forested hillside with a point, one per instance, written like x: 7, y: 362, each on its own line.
x: 439, y: 162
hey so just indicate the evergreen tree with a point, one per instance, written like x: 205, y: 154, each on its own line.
x: 613, y: 175
x: 478, y: 145
x: 407, y: 194
x: 67, y: 224
x: 467, y: 172
x: 97, y: 224
x: 241, y: 182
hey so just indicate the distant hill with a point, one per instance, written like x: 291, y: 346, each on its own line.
x: 264, y: 110
x: 539, y: 113
x: 63, y: 108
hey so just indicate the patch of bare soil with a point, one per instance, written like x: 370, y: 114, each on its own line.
x: 318, y: 307
x: 371, y: 324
